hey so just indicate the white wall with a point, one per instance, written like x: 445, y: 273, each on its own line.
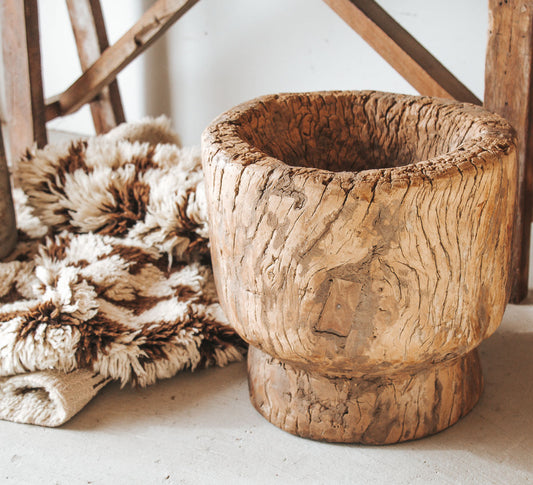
x: 223, y: 52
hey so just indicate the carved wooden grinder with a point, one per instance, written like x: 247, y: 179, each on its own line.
x: 361, y: 245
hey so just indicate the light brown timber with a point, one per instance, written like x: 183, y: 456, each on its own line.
x: 35, y: 72
x: 508, y: 91
x: 8, y: 227
x: 152, y: 25
x: 88, y: 26
x: 361, y: 244
x: 377, y: 411
x: 18, y: 128
x: 401, y: 50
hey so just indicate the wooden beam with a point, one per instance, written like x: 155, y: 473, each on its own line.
x: 152, y: 25
x: 401, y: 50
x: 89, y: 31
x: 8, y: 227
x: 18, y: 128
x: 35, y: 73
x: 508, y: 91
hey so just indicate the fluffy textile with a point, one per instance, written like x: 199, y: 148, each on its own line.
x: 111, y: 275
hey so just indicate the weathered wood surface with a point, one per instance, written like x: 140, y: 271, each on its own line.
x: 152, y: 25
x: 380, y: 410
x: 508, y: 91
x: 338, y: 254
x: 18, y: 129
x: 401, y: 50
x: 8, y: 227
x: 88, y: 26
x: 35, y: 72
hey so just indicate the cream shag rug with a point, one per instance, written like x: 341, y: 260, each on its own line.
x: 111, y: 276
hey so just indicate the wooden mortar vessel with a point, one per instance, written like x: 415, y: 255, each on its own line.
x: 361, y: 245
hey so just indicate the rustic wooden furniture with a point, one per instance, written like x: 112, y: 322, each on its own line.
x: 508, y: 80
x: 8, y: 230
x: 361, y: 244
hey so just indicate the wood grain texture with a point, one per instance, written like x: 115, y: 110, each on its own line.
x: 152, y: 25
x: 361, y: 235
x: 88, y: 26
x: 18, y: 130
x: 8, y: 227
x: 401, y: 50
x: 38, y: 118
x: 508, y: 91
x: 376, y: 411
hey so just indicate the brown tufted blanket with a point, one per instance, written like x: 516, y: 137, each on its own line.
x: 111, y: 277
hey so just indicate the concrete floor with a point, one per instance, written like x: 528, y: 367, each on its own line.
x: 201, y: 428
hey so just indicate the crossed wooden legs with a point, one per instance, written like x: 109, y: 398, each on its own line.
x: 27, y: 113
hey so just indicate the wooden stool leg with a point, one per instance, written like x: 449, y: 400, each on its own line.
x: 508, y: 91
x: 8, y: 228
x: 91, y: 39
x: 18, y: 133
x: 35, y: 72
